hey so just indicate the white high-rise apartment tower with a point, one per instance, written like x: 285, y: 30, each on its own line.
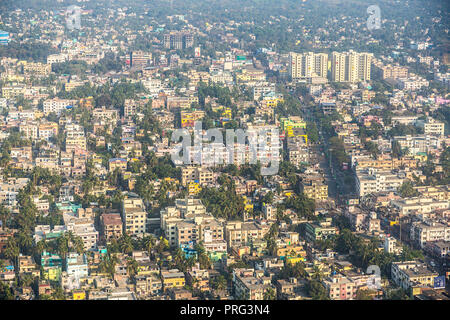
x: 350, y: 66
x: 308, y: 65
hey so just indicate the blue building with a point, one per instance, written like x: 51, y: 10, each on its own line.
x: 188, y: 250
x: 4, y: 37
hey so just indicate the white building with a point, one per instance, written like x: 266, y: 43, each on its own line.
x: 431, y: 126
x: 76, y: 265
x: 391, y: 246
x: 57, y: 105
x: 134, y: 216
x: 419, y: 205
x: 423, y: 232
x: 413, y: 83
x: 372, y: 181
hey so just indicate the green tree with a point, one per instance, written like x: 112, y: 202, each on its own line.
x: 12, y: 250
x: 6, y: 292
x: 363, y: 294
x: 269, y: 294
x: 407, y: 190
x: 316, y: 290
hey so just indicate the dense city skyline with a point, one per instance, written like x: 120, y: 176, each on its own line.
x: 224, y: 150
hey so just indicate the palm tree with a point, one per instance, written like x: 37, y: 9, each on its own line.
x: 58, y: 294
x: 406, y: 151
x: 221, y: 282
x: 108, y: 264
x: 26, y: 280
x: 4, y: 215
x: 63, y: 245
x: 190, y: 262
x: 179, y: 260
x: 162, y: 245
x: 269, y: 294
x: 149, y: 243
x: 12, y: 250
x: 195, y: 282
x: 317, y: 273
x: 299, y: 270
x: 132, y: 267
x: 126, y: 245
x: 40, y: 247
x: 78, y: 245
x: 25, y: 240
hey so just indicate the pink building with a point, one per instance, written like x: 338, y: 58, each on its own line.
x: 340, y: 287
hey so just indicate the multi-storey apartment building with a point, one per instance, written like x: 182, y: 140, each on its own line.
x: 340, y: 287
x: 196, y: 174
x: 320, y: 230
x: 308, y: 65
x: 418, y: 144
x: 240, y: 233
x: 47, y: 130
x: 315, y: 188
x: 37, y: 68
x: 178, y: 40
x: 57, y: 105
x: 249, y: 284
x: 412, y: 273
x: 390, y: 71
x: 140, y: 58
x: 350, y: 66
x: 413, y: 83
x: 372, y: 181
x: 419, y: 205
x: 134, y: 216
x: 431, y: 126
x: 429, y: 231
x: 76, y: 265
x: 112, y: 226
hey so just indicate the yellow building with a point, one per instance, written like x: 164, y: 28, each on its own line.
x: 79, y: 295
x: 288, y: 193
x: 441, y: 193
x: 10, y: 92
x: 315, y: 190
x: 250, y: 75
x: 188, y: 118
x: 292, y: 122
x: 290, y: 250
x: 87, y: 103
x: 52, y: 273
x: 294, y: 127
x: 171, y: 180
x: 421, y: 156
x: 117, y: 163
x: 272, y: 99
x: 71, y: 85
x: 292, y: 260
x: 367, y: 95
x: 38, y: 114
x: 74, y: 142
x: 226, y: 113
x: 173, y: 279
x: 248, y: 205
x: 13, y: 78
x: 194, y: 188
x: 36, y: 68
